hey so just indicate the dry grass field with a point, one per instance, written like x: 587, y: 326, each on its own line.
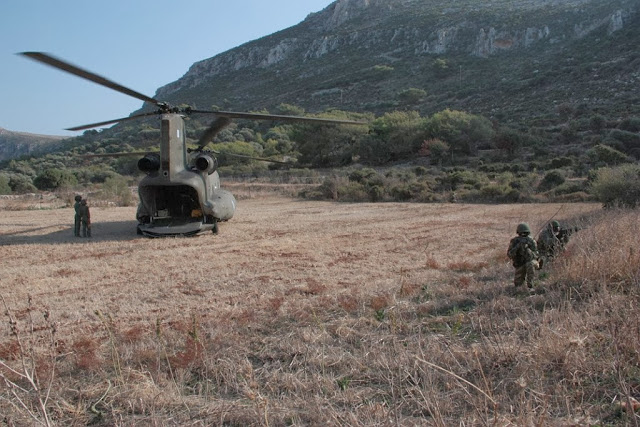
x: 318, y: 313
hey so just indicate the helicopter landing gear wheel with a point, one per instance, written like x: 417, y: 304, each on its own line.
x: 215, y: 227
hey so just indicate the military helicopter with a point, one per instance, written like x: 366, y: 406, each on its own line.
x: 180, y: 194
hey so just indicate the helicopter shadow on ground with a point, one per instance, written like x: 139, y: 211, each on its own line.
x: 100, y: 232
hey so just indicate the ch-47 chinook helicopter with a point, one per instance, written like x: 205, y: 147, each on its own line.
x: 181, y: 194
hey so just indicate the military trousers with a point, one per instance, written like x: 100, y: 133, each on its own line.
x: 525, y: 273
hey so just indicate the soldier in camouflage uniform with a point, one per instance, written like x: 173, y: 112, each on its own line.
x: 553, y: 239
x: 76, y: 224
x: 549, y: 243
x: 85, y: 219
x: 523, y: 251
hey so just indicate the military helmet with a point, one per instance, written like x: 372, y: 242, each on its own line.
x: 555, y: 224
x: 523, y: 228
x: 77, y: 198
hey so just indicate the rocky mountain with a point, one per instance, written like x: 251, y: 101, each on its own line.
x: 16, y: 144
x: 506, y: 59
x: 521, y: 63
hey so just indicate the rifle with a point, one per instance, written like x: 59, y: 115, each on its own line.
x: 565, y: 233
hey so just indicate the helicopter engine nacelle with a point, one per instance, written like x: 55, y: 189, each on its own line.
x: 206, y: 163
x: 149, y: 163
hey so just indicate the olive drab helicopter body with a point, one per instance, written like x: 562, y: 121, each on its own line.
x: 180, y: 194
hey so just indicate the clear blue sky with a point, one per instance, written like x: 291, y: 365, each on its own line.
x: 141, y: 44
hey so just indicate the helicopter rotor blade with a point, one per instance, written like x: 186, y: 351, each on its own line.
x: 217, y: 125
x: 132, y: 153
x: 108, y: 122
x: 260, y: 116
x: 88, y: 75
x: 243, y: 156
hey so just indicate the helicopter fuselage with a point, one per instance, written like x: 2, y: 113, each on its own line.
x: 181, y: 194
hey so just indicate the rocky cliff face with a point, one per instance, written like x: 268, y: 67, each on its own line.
x: 394, y: 28
x: 16, y: 144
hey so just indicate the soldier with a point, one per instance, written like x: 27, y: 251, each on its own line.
x: 553, y: 239
x: 549, y: 243
x: 76, y: 224
x: 85, y: 219
x: 523, y: 251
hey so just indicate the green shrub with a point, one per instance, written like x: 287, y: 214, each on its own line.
x: 630, y: 124
x: 619, y: 186
x: 463, y: 132
x: 401, y: 192
x: 352, y: 192
x: 412, y: 95
x: 328, y: 190
x: 508, y: 140
x: 21, y: 184
x: 118, y: 188
x: 5, y: 188
x: 597, y: 123
x: 52, y: 179
x: 569, y: 187
x: 560, y: 162
x: 607, y: 155
x: 550, y: 180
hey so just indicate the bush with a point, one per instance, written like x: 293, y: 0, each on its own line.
x: 412, y: 95
x: 394, y: 136
x: 353, y: 192
x: 607, y: 155
x: 560, y: 162
x: 630, y: 124
x: 52, y: 179
x: 619, y: 186
x: 597, y: 123
x: 118, y: 188
x: 462, y: 131
x: 569, y: 187
x: 551, y: 180
x: 21, y: 184
x: 5, y: 188
x: 509, y: 140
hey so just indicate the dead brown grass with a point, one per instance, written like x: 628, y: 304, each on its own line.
x: 316, y: 313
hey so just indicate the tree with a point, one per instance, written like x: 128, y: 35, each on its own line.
x: 117, y: 186
x: 328, y: 145
x: 394, y: 136
x: 412, y: 95
x: 441, y: 67
x: 290, y: 110
x: 508, y: 140
x: 436, y: 149
x: 608, y: 155
x: 4, y: 184
x: 21, y: 184
x: 462, y: 131
x: 51, y: 179
x: 551, y: 180
x: 617, y: 186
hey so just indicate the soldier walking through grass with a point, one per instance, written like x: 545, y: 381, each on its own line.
x: 549, y: 243
x: 523, y: 252
x: 553, y: 239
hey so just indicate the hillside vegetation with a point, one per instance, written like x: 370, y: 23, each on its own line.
x: 507, y: 102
